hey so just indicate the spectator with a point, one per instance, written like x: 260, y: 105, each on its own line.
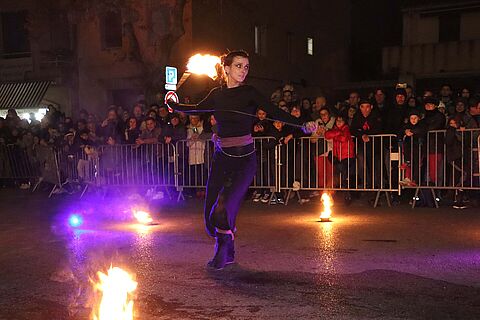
x: 282, y: 104
x: 343, y: 154
x: 262, y: 128
x: 196, y: 153
x: 276, y: 96
x: 320, y: 103
x: 110, y: 161
x: 413, y: 136
x: 412, y: 105
x: 380, y: 103
x: 395, y: 116
x: 460, y: 108
x: 323, y: 147
x: 137, y: 113
x: 111, y: 126
x: 306, y: 106
x: 85, y: 151
x: 83, y: 115
x: 132, y: 131
x: 351, y: 111
x: 288, y: 97
x: 152, y: 113
x: 454, y: 154
x: 163, y: 117
x: 151, y: 133
x: 464, y: 93
x: 364, y: 124
x: 472, y: 121
x: 282, y: 137
x: 353, y: 100
x: 446, y: 99
x: 176, y: 131
x: 33, y: 119
x: 434, y: 120
x: 409, y: 91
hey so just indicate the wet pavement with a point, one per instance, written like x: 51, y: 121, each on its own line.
x: 382, y: 263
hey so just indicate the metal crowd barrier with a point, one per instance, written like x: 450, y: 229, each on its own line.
x: 18, y: 163
x: 147, y: 165
x: 317, y: 164
x: 441, y: 160
x: 303, y: 164
x: 381, y: 165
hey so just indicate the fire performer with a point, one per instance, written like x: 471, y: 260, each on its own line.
x: 234, y: 105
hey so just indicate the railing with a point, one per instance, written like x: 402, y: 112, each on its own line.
x: 441, y: 160
x: 380, y: 164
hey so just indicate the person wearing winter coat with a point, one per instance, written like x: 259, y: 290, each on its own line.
x: 343, y: 154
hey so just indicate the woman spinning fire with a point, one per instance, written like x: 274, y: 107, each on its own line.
x: 234, y: 161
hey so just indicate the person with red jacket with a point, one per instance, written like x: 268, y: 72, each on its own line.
x: 343, y: 154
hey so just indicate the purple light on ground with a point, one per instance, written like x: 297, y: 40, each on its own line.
x: 75, y: 220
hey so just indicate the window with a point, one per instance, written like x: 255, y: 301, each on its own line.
x: 310, y: 46
x: 111, y: 30
x: 449, y: 27
x: 261, y: 40
x: 15, y: 42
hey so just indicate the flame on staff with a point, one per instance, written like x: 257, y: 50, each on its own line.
x: 201, y: 64
x: 116, y: 288
x: 142, y: 217
x: 327, y: 203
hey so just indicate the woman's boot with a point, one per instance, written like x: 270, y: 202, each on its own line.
x: 223, y: 251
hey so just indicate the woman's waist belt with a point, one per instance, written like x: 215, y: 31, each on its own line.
x: 229, y: 142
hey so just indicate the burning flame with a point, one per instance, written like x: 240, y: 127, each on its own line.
x: 142, y: 217
x: 203, y: 64
x: 117, y: 287
x: 327, y: 202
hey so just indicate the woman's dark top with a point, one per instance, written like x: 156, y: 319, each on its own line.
x: 243, y: 99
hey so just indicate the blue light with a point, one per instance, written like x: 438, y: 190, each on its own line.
x: 75, y: 220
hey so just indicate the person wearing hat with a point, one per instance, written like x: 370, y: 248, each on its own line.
x: 413, y: 135
x: 366, y: 123
x: 174, y: 131
x: 434, y: 120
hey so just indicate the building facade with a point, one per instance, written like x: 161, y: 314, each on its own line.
x: 441, y: 43
x: 108, y: 56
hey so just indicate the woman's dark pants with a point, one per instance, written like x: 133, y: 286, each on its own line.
x: 227, y: 184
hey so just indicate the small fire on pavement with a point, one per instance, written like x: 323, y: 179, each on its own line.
x: 116, y: 291
x: 327, y: 203
x: 143, y: 217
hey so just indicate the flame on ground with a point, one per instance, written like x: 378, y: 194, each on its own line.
x: 203, y: 64
x: 116, y: 288
x: 142, y: 216
x: 327, y: 202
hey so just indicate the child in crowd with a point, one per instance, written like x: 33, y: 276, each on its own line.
x: 343, y: 154
x: 262, y: 128
x: 413, y: 135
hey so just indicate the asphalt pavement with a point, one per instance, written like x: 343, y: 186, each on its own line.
x: 368, y: 263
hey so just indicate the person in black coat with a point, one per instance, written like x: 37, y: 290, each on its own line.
x: 413, y: 136
x: 364, y: 124
x: 434, y: 120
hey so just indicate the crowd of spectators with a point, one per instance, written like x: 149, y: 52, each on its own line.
x: 406, y: 113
